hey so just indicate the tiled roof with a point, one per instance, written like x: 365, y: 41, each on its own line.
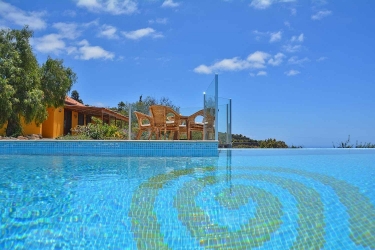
x: 71, y: 104
x: 71, y: 101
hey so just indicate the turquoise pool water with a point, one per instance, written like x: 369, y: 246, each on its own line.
x: 243, y: 199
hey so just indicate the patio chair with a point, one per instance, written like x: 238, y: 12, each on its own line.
x: 194, y: 125
x: 209, y: 125
x: 163, y: 121
x: 145, y: 123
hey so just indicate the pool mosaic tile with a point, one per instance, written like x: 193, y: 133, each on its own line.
x: 227, y: 202
x: 112, y: 148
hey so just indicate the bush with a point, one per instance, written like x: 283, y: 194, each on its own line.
x: 347, y: 144
x: 272, y: 143
x: 96, y: 131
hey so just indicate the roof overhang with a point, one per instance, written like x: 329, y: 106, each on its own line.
x: 96, y: 111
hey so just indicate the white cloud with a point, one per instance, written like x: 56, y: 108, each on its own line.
x: 261, y: 4
x: 321, y: 14
x: 87, y: 52
x: 93, y: 4
x: 232, y: 64
x: 292, y: 48
x: 320, y: 2
x: 299, y: 38
x: 3, y: 27
x: 287, y: 24
x: 92, y: 23
x: 170, y: 3
x: 203, y: 69
x: 292, y: 72
x: 264, y: 4
x: 276, y: 36
x: 277, y: 59
x: 138, y: 34
x: 256, y: 60
x: 115, y: 7
x: 158, y: 20
x: 320, y: 59
x: 293, y: 11
x: 108, y: 31
x: 295, y: 60
x: 70, y: 13
x: 71, y: 50
x: 15, y: 15
x: 51, y: 43
x: 259, y: 34
x: 67, y: 30
x: 260, y: 73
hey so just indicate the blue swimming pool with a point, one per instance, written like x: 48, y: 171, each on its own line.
x: 242, y: 199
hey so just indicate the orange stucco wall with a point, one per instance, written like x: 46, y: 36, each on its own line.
x: 27, y: 129
x: 74, y: 120
x: 2, y: 129
x: 30, y: 128
x: 54, y: 125
x: 51, y: 128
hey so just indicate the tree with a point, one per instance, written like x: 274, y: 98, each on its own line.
x: 56, y: 82
x: 165, y: 101
x: 75, y: 95
x: 26, y: 89
x: 272, y: 143
x: 347, y: 144
x: 121, y: 106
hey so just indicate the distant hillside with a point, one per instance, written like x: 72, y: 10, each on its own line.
x: 241, y: 141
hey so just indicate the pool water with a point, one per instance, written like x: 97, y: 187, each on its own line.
x: 243, y: 199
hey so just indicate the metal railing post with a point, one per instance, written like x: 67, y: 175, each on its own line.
x: 227, y: 125
x: 216, y: 107
x: 130, y: 123
x: 230, y: 122
x: 204, y: 116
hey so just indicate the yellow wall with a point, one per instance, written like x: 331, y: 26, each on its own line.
x: 59, y: 123
x: 51, y: 128
x: 2, y: 129
x: 54, y: 125
x: 74, y: 120
x: 48, y: 124
x: 30, y: 128
x: 27, y: 129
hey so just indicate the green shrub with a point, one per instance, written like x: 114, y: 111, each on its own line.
x: 97, y: 130
x: 272, y: 143
x: 347, y: 144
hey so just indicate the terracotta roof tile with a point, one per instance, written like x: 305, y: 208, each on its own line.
x: 71, y: 101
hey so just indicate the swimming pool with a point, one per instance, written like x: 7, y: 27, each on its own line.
x: 242, y: 199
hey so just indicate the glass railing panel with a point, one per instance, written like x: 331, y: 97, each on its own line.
x: 138, y: 132
x: 211, y: 89
x: 143, y: 110
x: 224, y: 134
x: 210, y: 100
x: 195, y: 124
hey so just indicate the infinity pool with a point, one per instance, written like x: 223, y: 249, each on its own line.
x: 243, y: 199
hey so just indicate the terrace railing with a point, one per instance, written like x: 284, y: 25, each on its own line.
x: 219, y: 110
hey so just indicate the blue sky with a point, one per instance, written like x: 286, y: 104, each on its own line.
x: 296, y: 70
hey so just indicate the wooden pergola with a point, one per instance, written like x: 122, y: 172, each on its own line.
x: 103, y: 113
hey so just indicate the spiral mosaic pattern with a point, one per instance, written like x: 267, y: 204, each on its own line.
x: 266, y: 221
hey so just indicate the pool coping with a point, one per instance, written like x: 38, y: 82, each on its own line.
x: 153, y: 148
